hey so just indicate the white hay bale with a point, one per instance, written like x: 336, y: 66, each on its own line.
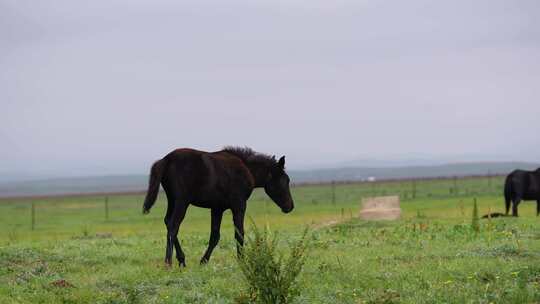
x: 380, y: 208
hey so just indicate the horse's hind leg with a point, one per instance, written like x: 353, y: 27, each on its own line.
x: 179, y: 253
x: 170, y: 208
x: 238, y: 220
x: 173, y: 226
x: 217, y: 215
x: 537, y: 207
x: 166, y: 219
x: 515, y: 204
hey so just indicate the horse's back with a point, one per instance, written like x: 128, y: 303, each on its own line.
x: 186, y: 162
x: 232, y: 169
x: 207, y: 177
x: 185, y: 172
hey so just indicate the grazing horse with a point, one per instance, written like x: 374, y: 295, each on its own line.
x: 218, y: 181
x: 522, y: 185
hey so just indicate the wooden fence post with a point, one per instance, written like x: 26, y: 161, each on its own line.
x: 106, y: 208
x: 33, y: 216
x: 333, y: 192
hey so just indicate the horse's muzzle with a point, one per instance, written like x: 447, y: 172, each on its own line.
x: 287, y: 210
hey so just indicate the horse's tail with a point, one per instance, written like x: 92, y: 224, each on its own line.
x: 508, y: 192
x: 156, y: 173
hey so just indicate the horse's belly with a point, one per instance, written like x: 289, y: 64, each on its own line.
x: 531, y: 196
x: 207, y: 198
x: 533, y: 191
x: 209, y: 204
x: 202, y: 204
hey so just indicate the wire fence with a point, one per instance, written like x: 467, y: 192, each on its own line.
x: 46, y: 213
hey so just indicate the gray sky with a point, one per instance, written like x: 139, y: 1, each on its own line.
x: 106, y: 87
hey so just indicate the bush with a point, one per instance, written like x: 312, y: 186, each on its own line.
x: 270, y: 275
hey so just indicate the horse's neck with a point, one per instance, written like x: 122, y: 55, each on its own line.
x: 259, y: 172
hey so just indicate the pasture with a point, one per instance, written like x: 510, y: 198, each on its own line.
x: 83, y: 250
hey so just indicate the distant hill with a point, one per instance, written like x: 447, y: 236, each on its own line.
x: 132, y: 183
x: 448, y: 170
x: 76, y: 185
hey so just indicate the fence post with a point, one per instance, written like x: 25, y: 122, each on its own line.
x: 33, y: 216
x: 414, y: 189
x: 106, y: 208
x: 333, y: 192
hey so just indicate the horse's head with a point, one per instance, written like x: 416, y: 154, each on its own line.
x: 277, y: 186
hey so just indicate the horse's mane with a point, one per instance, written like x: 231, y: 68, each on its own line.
x: 247, y: 154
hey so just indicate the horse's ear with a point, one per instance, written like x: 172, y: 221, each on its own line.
x: 281, y: 162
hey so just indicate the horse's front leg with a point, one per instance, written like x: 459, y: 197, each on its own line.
x: 238, y: 219
x: 217, y: 215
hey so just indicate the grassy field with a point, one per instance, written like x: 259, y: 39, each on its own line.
x: 77, y: 254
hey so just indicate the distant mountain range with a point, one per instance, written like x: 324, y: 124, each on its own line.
x: 133, y: 183
x: 403, y: 172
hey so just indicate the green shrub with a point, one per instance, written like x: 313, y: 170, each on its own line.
x: 270, y: 275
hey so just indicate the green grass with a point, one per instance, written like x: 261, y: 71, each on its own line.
x: 430, y: 256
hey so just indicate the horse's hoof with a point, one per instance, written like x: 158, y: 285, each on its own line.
x: 204, y: 261
x: 182, y: 264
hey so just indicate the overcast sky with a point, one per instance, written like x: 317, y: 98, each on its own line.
x: 107, y: 87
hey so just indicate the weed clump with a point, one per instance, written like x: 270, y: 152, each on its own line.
x: 270, y: 275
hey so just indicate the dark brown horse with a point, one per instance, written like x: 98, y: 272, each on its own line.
x: 218, y: 181
x: 522, y: 185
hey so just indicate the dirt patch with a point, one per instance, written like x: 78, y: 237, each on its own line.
x: 380, y: 208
